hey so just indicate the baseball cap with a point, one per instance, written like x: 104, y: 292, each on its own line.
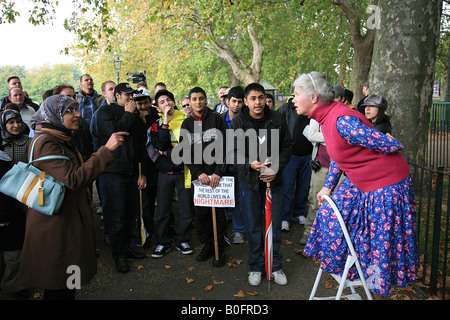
x: 141, y: 93
x: 124, y: 87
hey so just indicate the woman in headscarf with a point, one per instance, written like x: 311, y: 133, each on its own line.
x: 57, y: 246
x: 376, y: 199
x: 14, y: 138
x: 14, y: 145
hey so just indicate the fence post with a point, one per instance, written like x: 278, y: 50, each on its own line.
x: 436, y: 231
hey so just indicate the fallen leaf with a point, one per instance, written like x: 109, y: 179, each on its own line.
x: 191, y: 268
x: 287, y: 242
x: 167, y: 266
x: 217, y: 282
x: 189, y: 280
x: 300, y: 251
x: 240, y: 294
x: 208, y: 288
x: 37, y: 295
x: 231, y: 265
x: 252, y: 293
x: 328, y: 285
x: 100, y: 264
x: 237, y: 261
x: 140, y: 267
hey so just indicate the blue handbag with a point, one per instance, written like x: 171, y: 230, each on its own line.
x: 33, y: 187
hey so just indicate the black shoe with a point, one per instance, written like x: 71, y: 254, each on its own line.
x: 160, y: 250
x: 122, y: 264
x: 134, y: 254
x: 184, y: 247
x: 221, y: 261
x: 206, y: 253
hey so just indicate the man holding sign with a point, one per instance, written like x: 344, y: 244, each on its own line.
x: 206, y: 130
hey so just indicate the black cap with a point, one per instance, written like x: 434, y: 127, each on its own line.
x: 163, y: 92
x: 124, y: 87
x: 375, y: 101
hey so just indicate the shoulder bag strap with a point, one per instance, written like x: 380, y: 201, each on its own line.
x: 45, y: 157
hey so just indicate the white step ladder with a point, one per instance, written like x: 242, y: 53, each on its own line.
x: 351, y: 260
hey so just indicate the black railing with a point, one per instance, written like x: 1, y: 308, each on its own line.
x: 438, y: 146
x: 432, y: 198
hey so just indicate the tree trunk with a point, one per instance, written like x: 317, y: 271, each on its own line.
x: 362, y: 45
x: 362, y: 61
x: 403, y: 66
x: 241, y: 69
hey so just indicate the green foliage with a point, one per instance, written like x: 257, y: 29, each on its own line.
x: 37, y: 80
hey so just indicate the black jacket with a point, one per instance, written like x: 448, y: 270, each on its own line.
x: 212, y: 128
x: 160, y: 138
x: 113, y: 118
x: 271, y: 120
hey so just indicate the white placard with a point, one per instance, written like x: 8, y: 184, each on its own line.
x: 220, y: 197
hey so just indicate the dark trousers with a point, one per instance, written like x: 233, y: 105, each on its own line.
x: 204, y: 226
x: 166, y: 186
x: 122, y: 205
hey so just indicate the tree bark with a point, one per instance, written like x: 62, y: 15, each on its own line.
x: 241, y: 69
x: 403, y: 67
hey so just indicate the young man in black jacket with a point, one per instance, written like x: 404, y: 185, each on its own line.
x: 121, y: 178
x: 164, y: 136
x: 257, y: 166
x: 205, y: 127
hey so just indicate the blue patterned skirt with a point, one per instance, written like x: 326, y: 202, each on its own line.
x: 383, y: 227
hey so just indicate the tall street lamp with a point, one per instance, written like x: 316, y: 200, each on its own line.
x: 117, y: 66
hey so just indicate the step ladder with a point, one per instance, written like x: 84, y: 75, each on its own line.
x: 351, y: 260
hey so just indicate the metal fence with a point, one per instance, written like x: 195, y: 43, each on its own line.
x: 431, y: 183
x: 437, y: 152
x: 433, y: 198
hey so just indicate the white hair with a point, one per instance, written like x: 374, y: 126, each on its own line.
x: 315, y: 82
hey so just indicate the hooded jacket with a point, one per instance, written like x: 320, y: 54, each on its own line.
x: 271, y: 120
x: 203, y: 133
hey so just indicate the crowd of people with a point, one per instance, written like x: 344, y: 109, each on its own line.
x: 123, y: 139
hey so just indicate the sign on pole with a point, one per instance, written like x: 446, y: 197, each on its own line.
x: 221, y: 197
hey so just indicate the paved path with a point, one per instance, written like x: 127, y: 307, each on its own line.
x: 180, y: 277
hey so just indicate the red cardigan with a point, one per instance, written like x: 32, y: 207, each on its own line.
x: 368, y: 170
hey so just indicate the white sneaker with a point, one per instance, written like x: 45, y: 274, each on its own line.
x: 284, y: 226
x: 238, y: 238
x: 254, y: 278
x: 301, y: 219
x: 279, y: 277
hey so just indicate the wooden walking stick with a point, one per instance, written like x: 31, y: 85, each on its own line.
x: 144, y: 233
x: 216, y: 244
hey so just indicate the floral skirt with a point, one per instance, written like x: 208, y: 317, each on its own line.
x: 382, y: 225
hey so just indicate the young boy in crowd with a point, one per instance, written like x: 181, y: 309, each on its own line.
x: 256, y: 172
x: 206, y: 127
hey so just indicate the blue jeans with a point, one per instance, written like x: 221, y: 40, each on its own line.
x: 236, y: 212
x: 296, y: 179
x: 252, y: 205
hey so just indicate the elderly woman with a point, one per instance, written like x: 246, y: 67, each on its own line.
x: 66, y: 239
x: 376, y: 199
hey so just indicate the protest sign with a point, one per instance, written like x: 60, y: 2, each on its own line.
x: 221, y: 197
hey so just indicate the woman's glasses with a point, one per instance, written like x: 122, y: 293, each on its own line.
x: 72, y: 110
